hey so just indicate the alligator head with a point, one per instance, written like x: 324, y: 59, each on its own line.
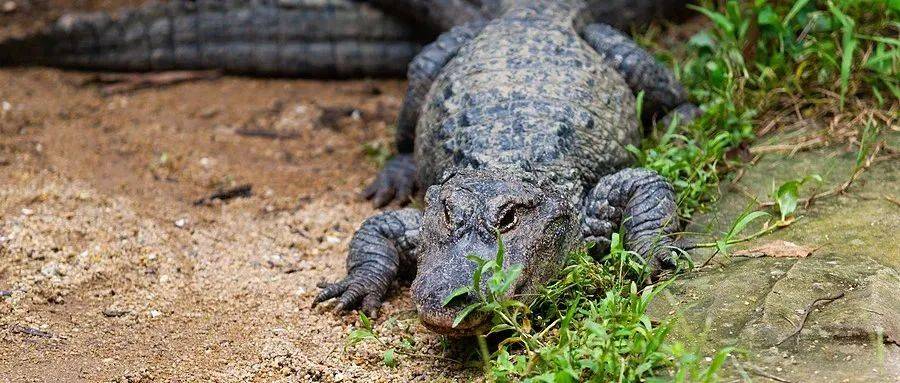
x: 463, y: 217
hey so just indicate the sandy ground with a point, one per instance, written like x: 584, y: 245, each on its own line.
x: 108, y: 272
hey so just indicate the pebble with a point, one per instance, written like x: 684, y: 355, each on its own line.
x: 155, y: 313
x: 10, y: 6
x: 180, y: 223
x: 26, y: 211
x: 114, y: 313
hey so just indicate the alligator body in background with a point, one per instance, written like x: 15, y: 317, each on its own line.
x: 516, y: 127
x: 304, y: 38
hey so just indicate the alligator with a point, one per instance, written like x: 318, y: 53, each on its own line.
x: 306, y: 38
x: 515, y: 128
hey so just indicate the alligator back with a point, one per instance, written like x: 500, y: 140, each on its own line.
x: 528, y: 94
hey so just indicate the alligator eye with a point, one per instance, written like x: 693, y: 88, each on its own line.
x: 508, y: 221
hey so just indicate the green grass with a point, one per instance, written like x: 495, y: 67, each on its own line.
x: 589, y: 325
x: 756, y: 60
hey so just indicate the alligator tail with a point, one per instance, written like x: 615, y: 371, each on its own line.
x: 308, y: 38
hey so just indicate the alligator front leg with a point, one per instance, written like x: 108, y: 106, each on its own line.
x: 641, y: 201
x: 643, y: 73
x: 397, y: 181
x: 385, y: 245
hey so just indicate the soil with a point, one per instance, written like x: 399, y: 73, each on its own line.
x: 110, y: 272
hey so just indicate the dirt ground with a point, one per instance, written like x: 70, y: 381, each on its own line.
x: 109, y: 272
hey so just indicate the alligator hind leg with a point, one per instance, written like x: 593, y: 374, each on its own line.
x: 384, y: 246
x: 643, y: 203
x: 397, y: 181
x: 642, y: 72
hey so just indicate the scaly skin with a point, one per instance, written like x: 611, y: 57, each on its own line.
x: 307, y: 38
x: 520, y: 128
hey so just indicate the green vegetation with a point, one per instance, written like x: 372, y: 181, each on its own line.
x: 757, y: 67
x: 761, y: 64
x: 590, y: 325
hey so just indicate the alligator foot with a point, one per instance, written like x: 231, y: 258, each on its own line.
x: 643, y: 203
x: 396, y: 182
x: 384, y: 245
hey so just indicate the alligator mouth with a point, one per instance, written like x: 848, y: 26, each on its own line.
x: 442, y: 323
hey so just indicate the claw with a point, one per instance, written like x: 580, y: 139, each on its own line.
x: 396, y: 182
x: 371, y: 305
x: 330, y: 290
x: 383, y: 197
x: 350, y: 298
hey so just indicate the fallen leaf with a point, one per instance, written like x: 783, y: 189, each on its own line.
x: 779, y: 249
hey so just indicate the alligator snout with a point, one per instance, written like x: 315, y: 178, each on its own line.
x: 432, y: 287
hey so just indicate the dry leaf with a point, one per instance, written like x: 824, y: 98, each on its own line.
x: 779, y: 249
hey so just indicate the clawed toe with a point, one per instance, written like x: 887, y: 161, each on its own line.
x: 396, y: 182
x: 350, y: 295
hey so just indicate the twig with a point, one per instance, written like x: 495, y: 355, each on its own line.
x: 765, y: 230
x: 245, y: 190
x: 427, y: 356
x: 892, y: 200
x: 250, y: 132
x: 116, y: 83
x: 793, y: 148
x: 757, y: 371
x: 842, y: 188
x: 30, y: 331
x: 809, y: 309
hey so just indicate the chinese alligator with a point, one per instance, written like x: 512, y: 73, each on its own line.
x: 308, y: 38
x: 517, y: 126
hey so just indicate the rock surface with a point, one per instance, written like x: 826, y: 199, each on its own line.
x: 833, y: 316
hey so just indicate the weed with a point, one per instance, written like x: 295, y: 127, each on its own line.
x: 589, y: 325
x: 760, y: 58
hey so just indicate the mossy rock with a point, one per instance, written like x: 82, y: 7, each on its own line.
x: 832, y: 316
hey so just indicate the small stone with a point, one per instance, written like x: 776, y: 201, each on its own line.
x: 10, y: 6
x: 332, y: 240
x: 155, y: 313
x: 209, y: 112
x: 115, y: 313
x: 27, y: 212
x: 53, y: 269
x: 338, y: 377
x: 180, y: 223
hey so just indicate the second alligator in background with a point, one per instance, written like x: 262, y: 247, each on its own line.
x: 304, y: 38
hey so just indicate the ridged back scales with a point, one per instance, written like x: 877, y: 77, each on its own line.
x: 528, y: 94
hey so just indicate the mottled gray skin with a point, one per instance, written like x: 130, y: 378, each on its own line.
x: 518, y: 126
x: 307, y: 38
